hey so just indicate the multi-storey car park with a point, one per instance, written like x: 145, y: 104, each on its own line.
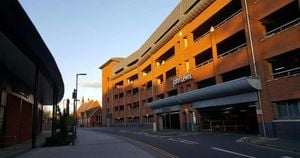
x: 212, y: 65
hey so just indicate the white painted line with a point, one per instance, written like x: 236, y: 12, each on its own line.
x: 231, y: 152
x: 286, y: 157
x: 180, y: 140
x: 241, y: 139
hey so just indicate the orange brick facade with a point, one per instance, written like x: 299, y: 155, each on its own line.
x: 228, y: 40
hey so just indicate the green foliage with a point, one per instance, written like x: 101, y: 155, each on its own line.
x: 58, y: 139
x: 65, y: 124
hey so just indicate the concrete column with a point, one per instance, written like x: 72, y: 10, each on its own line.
x: 35, y: 109
x: 53, y: 131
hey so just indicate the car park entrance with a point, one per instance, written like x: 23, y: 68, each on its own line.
x: 240, y: 118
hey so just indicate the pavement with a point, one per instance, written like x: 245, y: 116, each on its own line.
x: 24, y: 147
x: 275, y: 143
x: 90, y: 144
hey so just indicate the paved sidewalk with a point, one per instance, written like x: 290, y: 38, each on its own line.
x: 275, y: 143
x: 90, y: 144
x: 24, y: 147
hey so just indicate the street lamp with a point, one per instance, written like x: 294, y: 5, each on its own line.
x: 75, y: 101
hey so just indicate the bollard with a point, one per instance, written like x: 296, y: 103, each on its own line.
x: 154, y: 127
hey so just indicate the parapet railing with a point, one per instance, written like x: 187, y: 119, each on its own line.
x: 285, y: 73
x: 204, y: 63
x: 221, y: 23
x: 233, y: 50
x: 282, y: 28
x: 229, y: 18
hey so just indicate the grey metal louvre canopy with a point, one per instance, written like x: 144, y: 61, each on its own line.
x: 220, y: 94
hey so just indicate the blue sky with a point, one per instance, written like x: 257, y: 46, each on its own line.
x: 83, y: 34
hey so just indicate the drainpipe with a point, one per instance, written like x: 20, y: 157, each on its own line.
x: 254, y: 65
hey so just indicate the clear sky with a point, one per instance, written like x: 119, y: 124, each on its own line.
x: 83, y: 34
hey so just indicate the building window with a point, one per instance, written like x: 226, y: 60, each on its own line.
x: 289, y: 109
x: 173, y: 92
x: 160, y: 79
x: 204, y: 58
x: 146, y: 71
x: 237, y: 73
x: 165, y: 57
x: 286, y: 64
x: 207, y: 82
x: 99, y: 118
x: 221, y: 17
x: 119, y: 84
x: 135, y: 91
x: 121, y: 107
x: 132, y: 63
x: 129, y: 107
x: 282, y: 19
x: 149, y: 85
x: 149, y: 100
x: 171, y: 73
x: 120, y: 70
x: 121, y: 95
x: 136, y: 105
x: 232, y: 44
x: 160, y: 96
x: 133, y: 78
x: 116, y: 109
x: 128, y: 93
x: 148, y: 119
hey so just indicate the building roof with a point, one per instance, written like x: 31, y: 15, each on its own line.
x: 23, y: 52
x: 111, y: 60
x: 91, y: 104
x: 185, y: 12
x: 91, y: 112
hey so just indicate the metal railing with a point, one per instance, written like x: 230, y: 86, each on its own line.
x: 285, y: 73
x: 197, y: 39
x: 284, y: 27
x: 229, y: 18
x: 221, y: 23
x: 224, y: 126
x: 204, y: 63
x: 233, y: 50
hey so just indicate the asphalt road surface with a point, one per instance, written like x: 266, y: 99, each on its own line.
x: 197, y: 145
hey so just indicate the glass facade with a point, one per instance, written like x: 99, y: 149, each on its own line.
x: 289, y: 109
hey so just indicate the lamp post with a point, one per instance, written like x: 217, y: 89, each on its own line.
x: 75, y: 102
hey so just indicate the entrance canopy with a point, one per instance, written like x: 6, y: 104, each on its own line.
x: 23, y: 53
x: 232, y: 92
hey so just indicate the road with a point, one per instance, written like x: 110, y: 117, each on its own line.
x: 190, y: 145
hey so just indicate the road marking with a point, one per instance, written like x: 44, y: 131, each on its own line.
x: 165, y: 153
x: 180, y: 140
x: 240, y: 140
x: 286, y: 157
x: 231, y: 152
